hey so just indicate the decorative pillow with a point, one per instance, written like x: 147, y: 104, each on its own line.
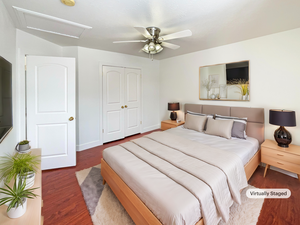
x: 196, y: 123
x: 220, y: 128
x: 201, y: 114
x: 239, y: 126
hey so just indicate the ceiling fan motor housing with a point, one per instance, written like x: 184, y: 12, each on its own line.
x: 154, y: 32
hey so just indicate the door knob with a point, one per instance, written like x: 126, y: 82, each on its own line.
x: 125, y: 106
x: 122, y: 107
x: 71, y: 118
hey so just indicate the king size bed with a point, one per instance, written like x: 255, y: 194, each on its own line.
x: 183, y: 176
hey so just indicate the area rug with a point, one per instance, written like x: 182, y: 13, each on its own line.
x: 105, y: 208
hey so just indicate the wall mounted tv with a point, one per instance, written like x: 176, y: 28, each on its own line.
x: 6, y: 115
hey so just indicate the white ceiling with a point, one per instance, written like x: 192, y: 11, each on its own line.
x: 213, y: 23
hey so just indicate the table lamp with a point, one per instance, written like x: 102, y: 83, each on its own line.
x: 282, y: 118
x: 173, y: 106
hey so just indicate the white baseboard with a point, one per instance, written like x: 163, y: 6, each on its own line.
x: 146, y: 129
x: 88, y: 145
x: 281, y: 171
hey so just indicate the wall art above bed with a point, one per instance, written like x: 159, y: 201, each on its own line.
x: 225, y: 82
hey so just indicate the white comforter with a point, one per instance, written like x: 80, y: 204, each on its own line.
x: 243, y: 148
x: 168, y: 173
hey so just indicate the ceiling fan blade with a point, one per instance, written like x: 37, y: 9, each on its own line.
x: 180, y: 34
x: 143, y: 31
x: 169, y: 45
x: 130, y: 41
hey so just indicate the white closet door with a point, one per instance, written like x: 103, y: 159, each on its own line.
x: 51, y: 109
x: 132, y: 101
x: 113, y: 103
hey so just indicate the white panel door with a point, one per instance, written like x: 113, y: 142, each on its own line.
x: 132, y: 101
x: 113, y: 103
x: 51, y: 109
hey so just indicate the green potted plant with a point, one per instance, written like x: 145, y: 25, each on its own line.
x: 16, y: 198
x: 19, y: 166
x: 23, y: 146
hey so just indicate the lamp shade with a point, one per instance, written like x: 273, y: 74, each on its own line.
x: 282, y: 117
x: 173, y: 106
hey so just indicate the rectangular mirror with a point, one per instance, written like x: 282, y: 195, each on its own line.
x: 6, y: 114
x: 225, y: 82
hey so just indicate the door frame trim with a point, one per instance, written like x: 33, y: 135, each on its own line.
x: 103, y: 63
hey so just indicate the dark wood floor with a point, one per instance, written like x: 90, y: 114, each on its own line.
x: 64, y: 204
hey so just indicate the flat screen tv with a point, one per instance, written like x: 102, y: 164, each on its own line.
x: 6, y: 115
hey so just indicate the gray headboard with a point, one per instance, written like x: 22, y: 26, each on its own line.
x: 256, y: 117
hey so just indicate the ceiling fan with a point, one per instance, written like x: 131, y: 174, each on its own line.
x: 154, y: 42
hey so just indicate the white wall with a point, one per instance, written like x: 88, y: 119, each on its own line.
x: 28, y: 44
x: 89, y: 115
x: 274, y: 75
x: 8, y: 51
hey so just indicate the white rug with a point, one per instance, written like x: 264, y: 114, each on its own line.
x: 109, y: 211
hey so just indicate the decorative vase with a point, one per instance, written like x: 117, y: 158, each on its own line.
x: 18, y: 211
x: 23, y: 148
x: 207, y: 94
x: 30, y: 177
x: 245, y: 97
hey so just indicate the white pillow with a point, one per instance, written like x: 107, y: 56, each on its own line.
x: 239, y: 125
x: 196, y: 123
x: 201, y: 114
x: 220, y: 128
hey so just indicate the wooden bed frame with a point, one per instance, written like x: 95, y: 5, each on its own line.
x: 136, y: 209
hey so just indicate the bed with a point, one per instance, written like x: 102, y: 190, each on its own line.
x: 140, y: 186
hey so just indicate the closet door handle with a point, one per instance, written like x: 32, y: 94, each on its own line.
x: 122, y: 107
x: 125, y: 106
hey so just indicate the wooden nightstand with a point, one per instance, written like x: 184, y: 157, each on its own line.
x: 167, y: 124
x: 284, y: 158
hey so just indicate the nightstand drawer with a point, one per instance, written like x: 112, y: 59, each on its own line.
x: 285, y: 156
x: 165, y: 126
x: 280, y: 163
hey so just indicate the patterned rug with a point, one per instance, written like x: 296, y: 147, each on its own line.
x: 105, y: 208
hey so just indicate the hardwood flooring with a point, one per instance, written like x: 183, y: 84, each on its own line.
x: 278, y: 211
x: 64, y: 204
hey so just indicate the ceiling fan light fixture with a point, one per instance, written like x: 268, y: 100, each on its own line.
x: 157, y: 47
x: 159, y: 50
x: 146, y: 48
x: 151, y: 46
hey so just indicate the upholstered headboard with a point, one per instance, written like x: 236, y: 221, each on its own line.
x: 255, y: 116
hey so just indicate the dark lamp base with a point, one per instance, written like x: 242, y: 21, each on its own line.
x: 282, y: 137
x: 173, y: 116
